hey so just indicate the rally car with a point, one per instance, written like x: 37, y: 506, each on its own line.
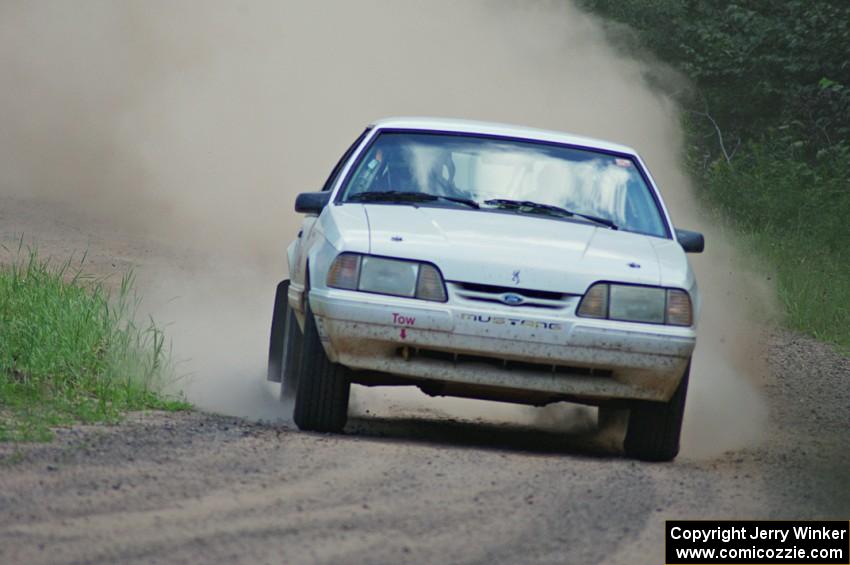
x: 489, y: 261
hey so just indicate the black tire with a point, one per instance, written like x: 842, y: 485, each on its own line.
x: 280, y: 311
x: 321, y: 401
x: 654, y: 427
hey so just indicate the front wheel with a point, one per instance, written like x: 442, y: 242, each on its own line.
x: 321, y: 401
x: 655, y: 427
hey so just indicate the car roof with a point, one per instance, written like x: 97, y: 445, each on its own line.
x: 491, y: 128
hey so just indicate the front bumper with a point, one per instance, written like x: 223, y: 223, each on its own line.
x: 542, y: 352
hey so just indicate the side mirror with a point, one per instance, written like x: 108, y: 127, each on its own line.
x: 311, y: 202
x: 691, y: 241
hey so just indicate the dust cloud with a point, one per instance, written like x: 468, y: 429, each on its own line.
x: 197, y: 128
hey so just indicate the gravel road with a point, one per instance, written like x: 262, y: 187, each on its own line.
x: 412, y: 487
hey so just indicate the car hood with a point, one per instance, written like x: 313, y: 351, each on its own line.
x: 497, y: 248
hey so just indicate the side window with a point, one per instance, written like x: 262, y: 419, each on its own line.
x: 341, y: 163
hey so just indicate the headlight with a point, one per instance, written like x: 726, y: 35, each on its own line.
x: 387, y: 276
x: 633, y: 303
x: 367, y: 273
x: 636, y: 304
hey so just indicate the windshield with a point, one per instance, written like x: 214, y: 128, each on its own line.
x: 484, y: 169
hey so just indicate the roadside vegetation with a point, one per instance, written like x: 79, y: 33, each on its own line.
x: 70, y: 350
x: 767, y: 115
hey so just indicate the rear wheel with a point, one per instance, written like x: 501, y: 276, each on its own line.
x: 321, y: 398
x: 654, y: 427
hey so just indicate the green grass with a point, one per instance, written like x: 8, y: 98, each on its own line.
x: 71, y: 351
x: 813, y: 287
x: 795, y: 214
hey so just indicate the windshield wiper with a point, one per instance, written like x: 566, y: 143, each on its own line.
x: 547, y: 208
x: 402, y: 196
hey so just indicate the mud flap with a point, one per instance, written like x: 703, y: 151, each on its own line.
x: 276, y: 341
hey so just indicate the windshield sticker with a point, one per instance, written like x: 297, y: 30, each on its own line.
x: 623, y: 163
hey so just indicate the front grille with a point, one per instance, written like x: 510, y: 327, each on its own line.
x: 496, y: 294
x: 498, y: 363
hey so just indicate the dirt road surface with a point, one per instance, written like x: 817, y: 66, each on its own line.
x: 404, y: 487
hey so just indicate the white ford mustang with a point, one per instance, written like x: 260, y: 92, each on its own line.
x: 494, y: 262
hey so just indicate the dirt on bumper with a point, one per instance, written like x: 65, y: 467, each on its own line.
x: 558, y: 356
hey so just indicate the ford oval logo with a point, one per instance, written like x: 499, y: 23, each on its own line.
x: 512, y: 299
